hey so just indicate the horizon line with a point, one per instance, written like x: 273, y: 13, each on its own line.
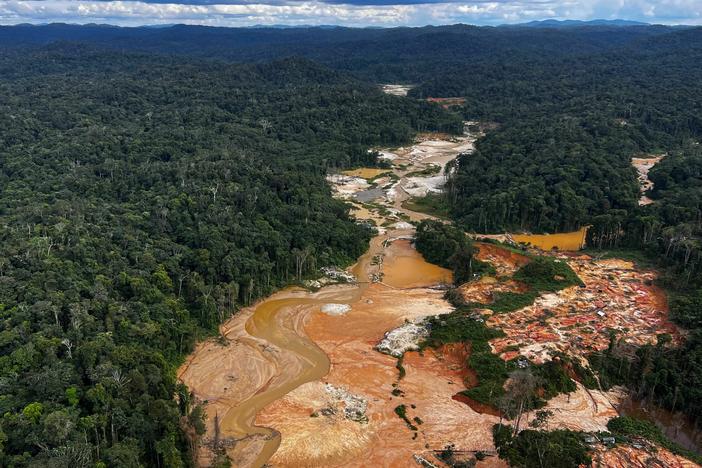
x: 553, y: 21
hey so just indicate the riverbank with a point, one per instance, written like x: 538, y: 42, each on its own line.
x: 293, y: 384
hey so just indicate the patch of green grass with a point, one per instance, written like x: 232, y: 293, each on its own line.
x: 510, y: 301
x: 389, y: 174
x: 458, y: 327
x: 382, y: 210
x: 431, y: 170
x: 545, y: 274
x: 431, y: 204
x: 401, y: 411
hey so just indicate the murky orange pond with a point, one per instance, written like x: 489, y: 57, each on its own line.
x: 562, y: 241
x: 366, y: 172
x: 404, y: 267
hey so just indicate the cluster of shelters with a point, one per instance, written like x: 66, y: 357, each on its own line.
x: 616, y: 299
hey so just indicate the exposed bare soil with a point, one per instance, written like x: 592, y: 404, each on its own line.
x: 578, y: 320
x: 629, y: 457
x: 447, y: 102
x: 365, y: 173
x: 291, y: 385
x: 505, y: 261
x: 396, y: 89
x: 643, y: 166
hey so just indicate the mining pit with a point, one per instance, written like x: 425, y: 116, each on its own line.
x: 312, y: 378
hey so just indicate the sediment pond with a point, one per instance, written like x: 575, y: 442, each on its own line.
x: 676, y: 426
x: 574, y: 240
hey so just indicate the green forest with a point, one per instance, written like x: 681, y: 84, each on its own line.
x: 142, y: 201
x: 559, y: 158
x: 154, y: 181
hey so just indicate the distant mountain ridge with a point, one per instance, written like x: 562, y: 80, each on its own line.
x: 553, y: 23
x: 376, y: 55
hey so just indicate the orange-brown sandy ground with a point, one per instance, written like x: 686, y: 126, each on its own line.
x: 577, y: 320
x: 434, y: 377
x: 505, y: 261
x: 483, y: 291
x: 431, y: 379
x: 643, y: 166
x: 629, y: 457
x: 447, y: 102
x: 311, y: 418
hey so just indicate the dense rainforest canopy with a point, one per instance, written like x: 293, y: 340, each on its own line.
x: 142, y: 200
x: 149, y: 187
x: 568, y: 128
x: 410, y: 55
x: 559, y: 158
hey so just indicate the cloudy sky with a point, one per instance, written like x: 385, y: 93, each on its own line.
x: 343, y: 12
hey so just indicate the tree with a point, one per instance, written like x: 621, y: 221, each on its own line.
x: 520, y: 390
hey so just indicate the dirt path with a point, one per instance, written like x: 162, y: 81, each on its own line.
x: 643, y: 166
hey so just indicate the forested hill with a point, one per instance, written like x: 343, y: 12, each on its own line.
x: 568, y: 127
x: 396, y: 54
x: 142, y: 200
x: 559, y: 158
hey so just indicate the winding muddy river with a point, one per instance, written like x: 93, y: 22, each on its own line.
x: 279, y: 381
x: 268, y: 353
x: 278, y: 321
x: 274, y: 329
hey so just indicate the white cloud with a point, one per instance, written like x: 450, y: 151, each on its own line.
x: 318, y: 12
x: 131, y: 13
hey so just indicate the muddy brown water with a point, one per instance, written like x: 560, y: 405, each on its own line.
x: 406, y: 268
x: 676, y: 426
x: 279, y: 321
x: 274, y: 321
x: 266, y: 324
x: 369, y: 195
x: 366, y: 172
x: 562, y: 241
x: 269, y: 322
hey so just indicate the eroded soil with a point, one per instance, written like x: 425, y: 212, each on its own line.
x: 629, y: 457
x: 578, y: 320
x: 290, y: 385
x: 643, y: 166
